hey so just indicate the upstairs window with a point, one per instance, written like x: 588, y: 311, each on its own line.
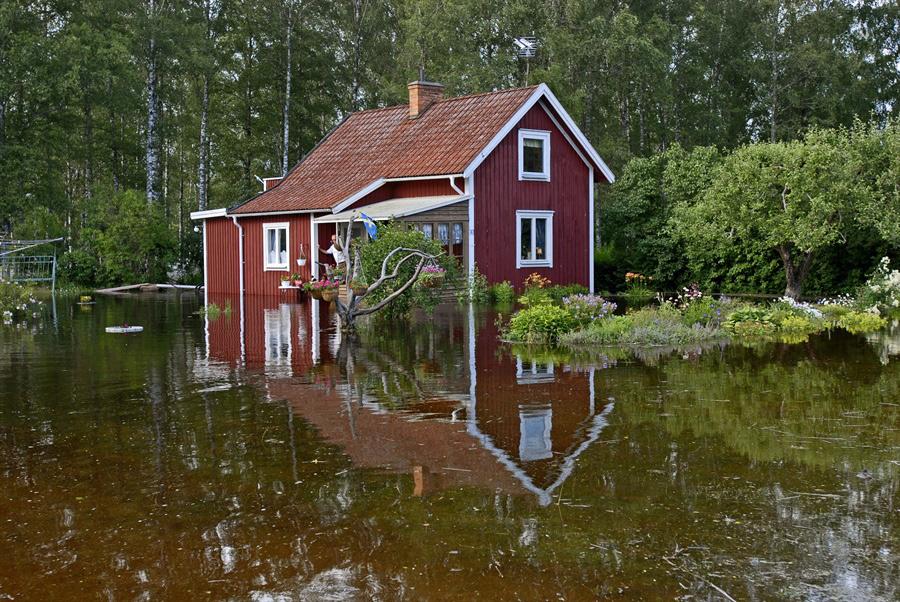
x: 275, y: 246
x: 534, y: 239
x: 534, y: 155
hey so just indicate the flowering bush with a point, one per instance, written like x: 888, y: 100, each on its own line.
x: 688, y: 295
x: 705, y: 311
x: 638, y: 291
x: 587, y: 308
x: 16, y: 302
x: 881, y: 292
x: 319, y: 285
x: 535, y: 280
x: 796, y: 308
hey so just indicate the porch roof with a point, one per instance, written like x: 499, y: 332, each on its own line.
x: 394, y: 208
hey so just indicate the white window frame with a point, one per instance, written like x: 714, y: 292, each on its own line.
x: 547, y: 262
x: 544, y: 417
x: 276, y: 267
x: 543, y: 136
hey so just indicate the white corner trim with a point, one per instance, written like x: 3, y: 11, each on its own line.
x: 543, y: 136
x: 358, y: 195
x: 591, y: 227
x: 314, y: 254
x: 209, y: 213
x: 547, y: 262
x: 470, y: 190
x: 286, y: 226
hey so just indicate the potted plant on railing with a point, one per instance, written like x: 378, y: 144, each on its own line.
x: 297, y: 280
x: 432, y: 276
x: 312, y: 290
x: 338, y: 274
x: 286, y: 280
x: 359, y: 287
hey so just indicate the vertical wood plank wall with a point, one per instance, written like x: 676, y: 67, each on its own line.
x: 499, y: 193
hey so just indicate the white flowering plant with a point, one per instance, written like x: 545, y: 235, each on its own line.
x: 16, y: 302
x: 881, y: 292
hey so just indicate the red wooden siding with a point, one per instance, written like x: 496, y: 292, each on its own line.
x: 222, y: 254
x: 221, y: 261
x: 257, y: 281
x: 499, y: 194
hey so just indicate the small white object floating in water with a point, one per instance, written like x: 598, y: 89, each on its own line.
x: 124, y: 329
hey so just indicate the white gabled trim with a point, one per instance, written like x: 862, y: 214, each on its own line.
x: 209, y: 213
x: 591, y: 228
x: 499, y: 136
x: 579, y: 136
x: 358, y: 195
x: 565, y: 135
x: 542, y: 91
x: 543, y: 136
x: 470, y: 190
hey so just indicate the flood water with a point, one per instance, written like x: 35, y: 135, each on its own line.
x: 265, y: 458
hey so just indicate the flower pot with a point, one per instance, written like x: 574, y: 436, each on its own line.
x: 359, y: 289
x: 301, y: 262
x: 298, y: 283
x: 315, y: 293
x: 328, y: 294
x: 433, y: 281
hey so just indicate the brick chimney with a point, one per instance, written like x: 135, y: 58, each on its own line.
x: 423, y: 94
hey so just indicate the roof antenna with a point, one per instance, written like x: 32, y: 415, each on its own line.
x: 526, y: 48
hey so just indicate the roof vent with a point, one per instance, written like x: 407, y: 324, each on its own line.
x: 423, y: 94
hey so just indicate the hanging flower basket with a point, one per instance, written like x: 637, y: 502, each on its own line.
x: 432, y: 276
x: 359, y: 288
x: 301, y: 258
x: 328, y: 294
x: 315, y: 293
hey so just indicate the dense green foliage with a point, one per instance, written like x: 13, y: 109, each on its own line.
x: 767, y: 217
x: 392, y: 235
x: 75, y: 107
x: 16, y: 301
x: 540, y: 324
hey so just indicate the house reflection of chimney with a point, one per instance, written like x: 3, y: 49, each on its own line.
x: 418, y: 481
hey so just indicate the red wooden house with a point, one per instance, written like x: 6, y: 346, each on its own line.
x: 504, y: 180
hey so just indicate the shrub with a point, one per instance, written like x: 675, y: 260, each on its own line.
x: 751, y: 328
x: 610, y: 331
x: 587, y: 308
x: 833, y: 313
x: 799, y: 325
x: 859, y: 322
x: 881, y: 292
x: 705, y: 311
x: 372, y: 253
x: 503, y: 293
x: 540, y: 324
x: 559, y: 292
x: 16, y: 301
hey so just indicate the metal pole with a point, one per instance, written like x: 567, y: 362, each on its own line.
x: 53, y: 276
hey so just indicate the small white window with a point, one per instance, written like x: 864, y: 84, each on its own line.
x: 534, y: 155
x: 535, y: 426
x: 534, y: 239
x: 275, y: 246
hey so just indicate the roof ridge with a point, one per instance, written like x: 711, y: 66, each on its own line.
x: 451, y: 99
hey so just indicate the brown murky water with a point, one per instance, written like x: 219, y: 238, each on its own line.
x: 267, y: 459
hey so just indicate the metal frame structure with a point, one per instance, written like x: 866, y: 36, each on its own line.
x: 16, y: 267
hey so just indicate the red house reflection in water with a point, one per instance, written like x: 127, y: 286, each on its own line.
x: 445, y: 402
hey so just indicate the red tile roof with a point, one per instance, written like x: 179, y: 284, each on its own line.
x: 385, y: 143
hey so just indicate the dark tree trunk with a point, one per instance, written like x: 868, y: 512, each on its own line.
x: 795, y: 275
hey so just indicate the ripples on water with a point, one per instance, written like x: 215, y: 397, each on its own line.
x: 426, y: 461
